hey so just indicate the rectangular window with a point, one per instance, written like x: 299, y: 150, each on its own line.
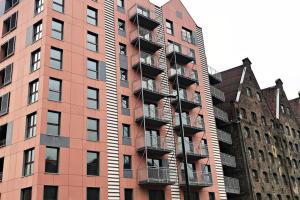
x: 37, y: 31
x: 212, y: 196
x: 128, y: 193
x: 92, y: 69
x: 121, y: 25
x: 92, y: 193
x: 92, y: 163
x: 50, y: 192
x: 39, y: 6
x: 125, y: 101
x: 35, y: 60
x: 53, y: 123
x: 169, y: 26
x: 58, y: 5
x: 57, y: 29
x: 187, y: 35
x: 10, y: 24
x: 33, y: 91
x: 52, y: 159
x: 126, y: 130
x: 31, y: 120
x: 28, y: 162
x: 124, y: 74
x: 92, y: 41
x: 54, y: 93
x: 56, y: 56
x: 7, y: 49
x: 254, y: 118
x: 6, y: 75
x: 122, y: 48
x: 26, y: 193
x: 127, y: 162
x: 120, y: 3
x: 93, y: 98
x: 93, y: 129
x: 92, y: 16
x: 4, y: 104
x: 10, y: 3
x: 156, y: 195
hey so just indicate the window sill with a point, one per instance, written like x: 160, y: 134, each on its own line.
x: 7, y: 33
x: 25, y: 139
x: 60, y: 101
x: 52, y: 173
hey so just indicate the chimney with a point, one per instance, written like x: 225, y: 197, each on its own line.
x: 279, y: 83
x: 247, y: 62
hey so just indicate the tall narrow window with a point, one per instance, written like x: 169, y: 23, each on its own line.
x: 92, y: 98
x: 92, y: 69
x: 10, y: 3
x: 92, y: 163
x: 125, y: 101
x: 124, y: 74
x: 28, y: 162
x: 10, y: 23
x: 92, y: 41
x: 187, y: 35
x: 31, y: 120
x: 121, y: 25
x: 6, y: 75
x: 169, y: 27
x: 33, y: 91
x: 53, y: 123
x: 92, y: 129
x: 120, y: 3
x: 52, y: 159
x: 54, y: 93
x: 92, y: 16
x: 92, y: 193
x: 35, y: 60
x: 37, y: 31
x: 127, y: 162
x: 4, y: 104
x: 57, y: 29
x: 248, y: 92
x: 7, y: 49
x: 26, y: 193
x: 128, y: 193
x: 56, y: 56
x: 122, y: 48
x: 58, y: 5
x: 39, y: 6
x: 126, y: 130
x: 50, y: 192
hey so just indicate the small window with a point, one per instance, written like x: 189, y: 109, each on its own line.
x: 92, y: 41
x: 258, y: 97
x: 58, y: 5
x: 122, y: 49
x: 258, y: 138
x: 248, y: 92
x: 254, y: 117
x: 92, y: 163
x: 53, y: 123
x: 126, y: 130
x: 7, y: 49
x: 93, y: 193
x: 10, y: 3
x: 269, y: 196
x: 31, y: 121
x: 26, y: 193
x: 261, y: 156
x: 37, y: 31
x: 243, y: 113
x: 54, y: 93
x: 57, y: 29
x: 275, y: 178
x: 282, y: 109
x: 33, y: 91
x: 92, y: 98
x: 288, y: 130
x: 92, y: 69
x: 39, y: 6
x: 52, y: 159
x: 92, y: 16
x: 271, y: 158
x: 4, y: 104
x: 124, y: 74
x: 263, y: 121
x: 212, y: 196
x: 266, y: 177
x: 187, y: 35
x: 247, y: 132
x: 169, y: 27
x: 255, y: 175
x: 35, y: 60
x: 10, y: 24
x: 288, y: 111
x: 6, y: 75
x: 28, y: 162
x: 258, y: 196
x: 50, y: 192
x: 56, y: 56
x: 127, y: 162
x: 120, y: 3
x: 251, y: 153
x: 128, y: 193
x: 267, y: 139
x: 121, y: 25
x: 125, y: 101
x: 92, y: 129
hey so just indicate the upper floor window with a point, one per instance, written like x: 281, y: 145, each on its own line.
x: 37, y: 31
x: 28, y: 162
x: 251, y: 153
x: 50, y: 192
x: 255, y: 175
x: 52, y: 159
x: 169, y: 27
x: 6, y: 75
x: 122, y: 49
x: 127, y: 162
x: 56, y: 58
x: 121, y: 25
x: 267, y: 139
x: 247, y: 132
x: 263, y: 120
x: 93, y: 129
x: 120, y: 3
x: 39, y: 6
x: 258, y: 138
x: 92, y: 98
x: 26, y: 193
x: 53, y: 123
x: 7, y: 49
x: 266, y: 177
x: 92, y: 69
x: 92, y: 41
x: 92, y: 193
x: 58, y: 5
x: 187, y: 35
x: 124, y: 74
x: 243, y: 113
x: 282, y: 109
x: 258, y: 96
x: 4, y: 104
x: 57, y: 29
x: 33, y: 91
x: 128, y: 193
x: 10, y: 3
x: 288, y: 130
x: 288, y: 111
x: 10, y: 24
x: 54, y: 93
x: 254, y: 117
x: 92, y: 16
x: 35, y: 60
x: 92, y: 163
x: 125, y: 101
x: 31, y: 121
x: 261, y: 155
x: 248, y: 92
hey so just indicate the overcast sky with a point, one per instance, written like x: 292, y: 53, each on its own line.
x: 266, y: 31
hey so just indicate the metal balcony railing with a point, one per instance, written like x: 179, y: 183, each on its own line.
x: 143, y: 17
x: 215, y: 74
x: 192, y: 98
x: 219, y: 94
x: 183, y: 72
x: 193, y: 148
x: 197, y: 179
x: 191, y: 121
x: 154, y: 117
x: 145, y: 59
x: 146, y: 40
x: 152, y: 143
x: 220, y: 114
x: 179, y: 54
x: 148, y: 84
x: 224, y: 136
x: 228, y: 160
x: 232, y: 185
x: 155, y: 175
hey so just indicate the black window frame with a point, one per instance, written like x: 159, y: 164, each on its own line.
x: 92, y: 45
x: 91, y: 99
x: 53, y: 59
x: 54, y: 30
x: 38, y: 6
x: 128, y: 194
x: 93, y: 20
x: 123, y: 74
x: 52, y: 165
x: 35, y: 61
x: 37, y: 31
x: 57, y: 6
x: 58, y: 124
x: 121, y: 3
x: 57, y: 91
x: 169, y: 27
x: 8, y: 7
x: 26, y: 193
x: 10, y: 24
x: 91, y: 71
x: 31, y: 125
x: 121, y: 25
x: 91, y: 130
x: 94, y: 191
x: 125, y: 102
x: 9, y: 48
x: 28, y: 163
x: 122, y: 49
x: 33, y: 91
x: 127, y: 162
x: 96, y: 170
x: 50, y: 192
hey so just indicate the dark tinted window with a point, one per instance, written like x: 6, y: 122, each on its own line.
x: 52, y: 156
x: 50, y: 192
x: 93, y: 193
x: 92, y: 163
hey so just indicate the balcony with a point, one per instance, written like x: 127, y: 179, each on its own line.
x: 151, y: 118
x: 154, y: 145
x: 218, y: 96
x: 147, y: 64
x: 191, y: 124
x: 194, y: 151
x: 143, y: 17
x: 221, y: 116
x: 224, y: 136
x: 150, y: 89
x: 145, y: 40
x: 232, y: 185
x: 215, y: 77
x: 188, y: 101
x: 186, y: 77
x: 228, y: 160
x: 155, y: 176
x: 179, y: 54
x: 197, y: 179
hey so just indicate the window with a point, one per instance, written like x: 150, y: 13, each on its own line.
x: 92, y: 41
x: 128, y: 193
x: 125, y: 101
x: 284, y: 179
x: 50, y: 192
x: 263, y: 121
x: 211, y: 196
x: 156, y: 195
x: 35, y: 60
x: 57, y: 29
x: 288, y: 111
x: 248, y: 92
x: 56, y: 56
x: 124, y: 74
x: 251, y: 153
x: 39, y: 6
x: 8, y: 48
x: 193, y: 55
x: 267, y: 139
x: 288, y: 130
x: 282, y: 109
x: 58, y: 5
x: 254, y: 117
x: 169, y: 26
x: 258, y: 96
x: 127, y: 162
x: 10, y: 24
x: 10, y: 3
x: 28, y: 162
x: 271, y: 158
x: 187, y: 35
x: 26, y: 193
x: 266, y: 177
x: 53, y: 123
x: 122, y: 49
x: 33, y: 91
x: 121, y: 25
x: 4, y: 104
x: 31, y: 120
x: 52, y: 159
x: 243, y: 113
x: 279, y: 197
x: 92, y: 129
x: 92, y: 16
x: 247, y: 132
x: 261, y: 155
x: 120, y: 3
x: 92, y: 163
x: 92, y: 98
x: 54, y: 89
x: 92, y: 193
x: 275, y: 178
x: 92, y: 69
x: 258, y: 138
x: 6, y: 75
x: 255, y: 175
x: 258, y: 196
x: 126, y: 130
x: 37, y: 31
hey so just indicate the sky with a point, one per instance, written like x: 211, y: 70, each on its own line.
x: 265, y: 31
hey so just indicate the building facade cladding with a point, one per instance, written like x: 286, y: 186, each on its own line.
x: 88, y: 84
x: 264, y: 153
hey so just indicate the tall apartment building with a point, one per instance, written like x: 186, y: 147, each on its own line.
x: 87, y: 104
x: 264, y: 137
